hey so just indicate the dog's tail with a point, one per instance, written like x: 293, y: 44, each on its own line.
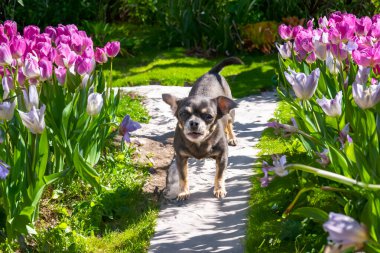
x: 225, y: 62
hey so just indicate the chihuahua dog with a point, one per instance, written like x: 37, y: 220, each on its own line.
x: 204, y: 128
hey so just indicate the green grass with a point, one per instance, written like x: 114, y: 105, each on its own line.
x: 174, y: 67
x: 121, y: 218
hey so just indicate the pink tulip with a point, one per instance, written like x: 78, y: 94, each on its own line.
x: 363, y: 26
x: 76, y: 42
x: 375, y: 29
x: 10, y: 28
x: 304, y: 41
x: 31, y: 31
x: 21, y: 77
x: 323, y: 22
x: 5, y: 55
x: 60, y: 73
x: 31, y: 68
x: 101, y: 57
x: 62, y: 39
x: 17, y: 47
x: 311, y: 58
x: 338, y: 52
x: 46, y: 69
x: 51, y: 32
x: 112, y: 48
x: 84, y: 65
x: 65, y: 57
x: 367, y: 56
x: 285, y: 32
x: 3, y: 36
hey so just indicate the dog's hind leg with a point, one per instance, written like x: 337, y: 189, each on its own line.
x: 231, y: 138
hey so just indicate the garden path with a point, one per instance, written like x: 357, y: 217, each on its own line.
x: 203, y: 223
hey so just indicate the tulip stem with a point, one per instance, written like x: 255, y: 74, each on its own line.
x: 332, y: 176
x: 111, y: 74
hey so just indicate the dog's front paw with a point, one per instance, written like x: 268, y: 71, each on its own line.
x: 232, y: 142
x: 220, y: 192
x: 183, y: 195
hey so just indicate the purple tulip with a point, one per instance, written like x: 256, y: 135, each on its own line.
x: 100, y: 55
x: 17, y: 47
x: 127, y: 126
x: 34, y: 120
x: 60, y: 73
x: 344, y: 135
x: 62, y: 39
x: 367, y: 56
x: 7, y: 83
x: 363, y: 26
x: 7, y: 110
x: 304, y: 41
x: 31, y: 68
x: 10, y: 28
x: 31, y: 98
x: 332, y: 107
x: 366, y: 97
x: 303, y: 86
x: 51, y: 32
x: 31, y: 31
x: 344, y: 230
x: 112, y: 48
x: 4, y: 169
x: 94, y: 104
x: 339, y: 52
x: 21, y: 77
x: 320, y: 49
x: 46, y: 69
x: 84, y: 65
x: 5, y: 55
x: 323, y: 160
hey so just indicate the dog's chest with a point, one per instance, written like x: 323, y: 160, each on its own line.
x: 203, y: 150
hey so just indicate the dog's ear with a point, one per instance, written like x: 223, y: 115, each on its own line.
x: 171, y: 100
x: 225, y: 105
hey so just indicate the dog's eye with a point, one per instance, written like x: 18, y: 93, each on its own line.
x: 207, y: 117
x: 184, y: 114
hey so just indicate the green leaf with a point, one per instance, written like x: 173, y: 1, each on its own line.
x: 312, y: 212
x: 43, y: 155
x: 21, y: 2
x: 85, y: 170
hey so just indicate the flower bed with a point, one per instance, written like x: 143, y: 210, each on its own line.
x: 56, y: 112
x: 329, y: 77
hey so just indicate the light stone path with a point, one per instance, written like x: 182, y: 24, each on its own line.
x: 203, y: 223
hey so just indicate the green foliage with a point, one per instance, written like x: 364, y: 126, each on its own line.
x: 131, y: 104
x: 174, y: 67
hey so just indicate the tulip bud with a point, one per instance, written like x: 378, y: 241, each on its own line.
x: 17, y: 47
x: 84, y: 65
x: 100, y: 55
x: 10, y: 28
x: 31, y: 31
x: 60, y: 73
x: 94, y: 104
x: 112, y: 48
x: 7, y: 83
x: 31, y: 99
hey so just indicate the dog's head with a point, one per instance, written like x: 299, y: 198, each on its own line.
x: 198, y: 116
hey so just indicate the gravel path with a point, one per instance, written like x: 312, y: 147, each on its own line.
x: 204, y: 223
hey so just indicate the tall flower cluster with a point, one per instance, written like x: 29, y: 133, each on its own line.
x: 337, y: 40
x: 35, y: 56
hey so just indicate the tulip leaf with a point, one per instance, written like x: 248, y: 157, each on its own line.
x: 312, y: 212
x: 43, y: 155
x: 87, y: 173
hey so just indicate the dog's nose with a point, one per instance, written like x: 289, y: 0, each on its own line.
x: 194, y: 124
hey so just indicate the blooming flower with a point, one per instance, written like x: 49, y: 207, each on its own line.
x: 344, y: 136
x: 266, y: 179
x: 303, y: 86
x: 7, y: 110
x: 17, y: 46
x: 46, y: 69
x: 127, y: 126
x: 285, y: 32
x: 279, y: 166
x: 285, y: 50
x: 31, y: 98
x: 323, y: 160
x: 112, y: 48
x: 332, y: 63
x: 31, y: 68
x: 4, y: 169
x: 34, y: 120
x: 100, y: 55
x: 94, y: 104
x: 60, y: 73
x: 346, y: 231
x: 84, y: 65
x: 366, y: 97
x: 332, y: 107
x: 5, y: 55
x: 7, y: 83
